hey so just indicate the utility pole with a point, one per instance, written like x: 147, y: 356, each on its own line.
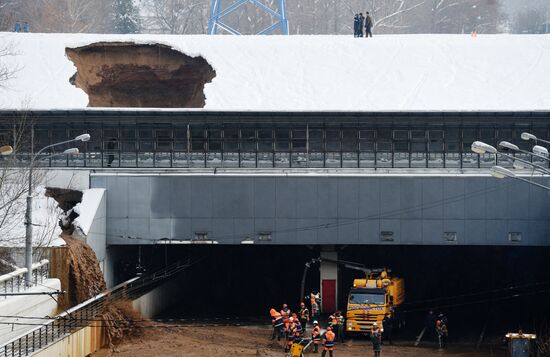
x: 217, y: 15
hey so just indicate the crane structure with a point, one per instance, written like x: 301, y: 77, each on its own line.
x: 218, y: 13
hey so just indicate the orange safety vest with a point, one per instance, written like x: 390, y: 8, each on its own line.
x: 275, y: 314
x: 328, y: 341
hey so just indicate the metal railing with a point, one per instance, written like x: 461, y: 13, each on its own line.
x: 14, y: 282
x: 85, y: 313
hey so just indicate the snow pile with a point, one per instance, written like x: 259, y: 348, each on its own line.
x: 303, y: 73
x: 45, y: 217
x: 87, y: 209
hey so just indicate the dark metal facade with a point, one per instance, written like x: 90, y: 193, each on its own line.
x: 199, y: 139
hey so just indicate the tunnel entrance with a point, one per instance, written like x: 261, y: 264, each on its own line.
x: 505, y: 288
x: 120, y: 74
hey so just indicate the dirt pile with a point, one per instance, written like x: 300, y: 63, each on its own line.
x: 86, y: 281
x: 117, y: 74
x: 121, y: 320
x: 85, y: 276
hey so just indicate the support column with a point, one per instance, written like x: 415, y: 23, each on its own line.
x: 329, y: 283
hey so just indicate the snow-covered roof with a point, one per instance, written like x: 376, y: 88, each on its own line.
x: 315, y: 73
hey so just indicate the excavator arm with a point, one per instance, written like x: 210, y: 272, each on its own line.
x: 344, y: 263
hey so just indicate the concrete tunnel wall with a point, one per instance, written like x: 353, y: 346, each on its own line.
x: 321, y: 210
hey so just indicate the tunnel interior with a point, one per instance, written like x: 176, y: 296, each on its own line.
x: 120, y: 74
x: 506, y: 288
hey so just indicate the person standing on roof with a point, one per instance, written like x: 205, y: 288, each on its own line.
x: 368, y: 25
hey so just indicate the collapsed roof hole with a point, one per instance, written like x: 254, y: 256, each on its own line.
x: 121, y: 74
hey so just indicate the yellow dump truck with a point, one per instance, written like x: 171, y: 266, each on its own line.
x: 370, y: 299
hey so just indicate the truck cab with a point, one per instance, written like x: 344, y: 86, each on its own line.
x: 371, y: 299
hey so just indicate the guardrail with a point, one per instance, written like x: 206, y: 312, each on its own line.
x: 15, y: 281
x: 84, y: 314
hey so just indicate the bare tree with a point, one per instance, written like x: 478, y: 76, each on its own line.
x: 462, y: 16
x: 14, y: 176
x: 175, y: 16
x: 7, y: 70
x: 64, y: 15
x: 532, y: 19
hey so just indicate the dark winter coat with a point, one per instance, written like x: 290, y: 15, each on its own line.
x: 376, y: 340
x: 368, y: 22
x: 361, y: 21
x: 356, y: 24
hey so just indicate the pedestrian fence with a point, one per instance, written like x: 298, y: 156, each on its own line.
x: 15, y: 281
x: 86, y: 313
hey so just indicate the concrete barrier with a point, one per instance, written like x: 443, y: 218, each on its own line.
x: 83, y: 342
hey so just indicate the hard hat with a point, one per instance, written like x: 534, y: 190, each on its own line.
x: 316, y: 322
x: 329, y: 328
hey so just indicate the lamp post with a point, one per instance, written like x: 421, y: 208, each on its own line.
x: 538, y: 151
x: 482, y: 148
x: 501, y: 172
x: 528, y: 136
x: 28, y: 213
x: 6, y: 150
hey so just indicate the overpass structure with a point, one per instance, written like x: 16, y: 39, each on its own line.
x: 303, y: 178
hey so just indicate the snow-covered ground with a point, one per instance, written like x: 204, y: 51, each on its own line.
x: 341, y: 73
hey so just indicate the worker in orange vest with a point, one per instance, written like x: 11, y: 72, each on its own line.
x: 277, y: 322
x: 285, y: 312
x: 290, y: 334
x: 328, y: 342
x: 314, y: 299
x: 316, y: 336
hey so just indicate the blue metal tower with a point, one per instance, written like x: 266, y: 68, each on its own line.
x: 217, y: 15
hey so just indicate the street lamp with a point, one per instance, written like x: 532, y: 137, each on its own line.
x: 529, y: 136
x: 538, y: 152
x: 481, y: 148
x: 500, y: 172
x: 6, y: 150
x: 28, y: 213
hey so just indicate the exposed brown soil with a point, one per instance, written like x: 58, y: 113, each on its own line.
x: 252, y: 342
x: 118, y: 319
x: 85, y: 276
x: 117, y: 74
x: 65, y: 198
